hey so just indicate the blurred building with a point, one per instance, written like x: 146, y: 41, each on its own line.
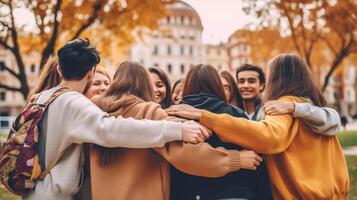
x: 12, y: 102
x: 176, y: 45
x: 238, y: 50
x: 342, y: 90
x: 217, y: 56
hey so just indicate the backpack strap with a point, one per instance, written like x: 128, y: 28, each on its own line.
x: 54, y: 162
x: 53, y: 96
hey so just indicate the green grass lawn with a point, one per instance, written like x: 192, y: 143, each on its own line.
x: 352, y: 168
x: 348, y: 138
x: 5, y: 195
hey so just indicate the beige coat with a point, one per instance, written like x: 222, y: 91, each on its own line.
x: 137, y: 174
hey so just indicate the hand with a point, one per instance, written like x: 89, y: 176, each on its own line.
x: 184, y: 111
x: 194, y: 133
x: 278, y: 108
x: 249, y: 160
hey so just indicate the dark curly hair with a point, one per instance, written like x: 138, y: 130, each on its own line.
x: 76, y: 58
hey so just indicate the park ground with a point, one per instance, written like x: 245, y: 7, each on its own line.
x: 347, y: 138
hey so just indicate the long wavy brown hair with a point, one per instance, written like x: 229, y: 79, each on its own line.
x: 289, y: 75
x: 131, y: 78
x: 203, y: 79
x: 49, y: 77
x: 236, y: 98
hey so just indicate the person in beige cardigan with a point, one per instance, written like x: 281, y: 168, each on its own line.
x: 130, y: 174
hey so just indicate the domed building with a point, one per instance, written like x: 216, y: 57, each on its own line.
x: 176, y: 45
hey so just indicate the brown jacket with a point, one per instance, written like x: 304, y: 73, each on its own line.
x: 136, y: 174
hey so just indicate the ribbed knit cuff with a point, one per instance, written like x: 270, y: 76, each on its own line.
x: 173, y: 131
x: 234, y: 160
x: 301, y: 110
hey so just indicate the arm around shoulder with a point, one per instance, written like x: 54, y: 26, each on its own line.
x: 86, y: 123
x: 322, y: 120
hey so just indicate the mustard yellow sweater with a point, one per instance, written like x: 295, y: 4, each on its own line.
x: 301, y: 164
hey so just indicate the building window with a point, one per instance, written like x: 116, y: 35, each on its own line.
x: 2, y: 96
x: 169, y: 68
x: 33, y: 68
x: 191, y: 50
x: 182, y: 19
x: 182, y: 50
x: 192, y: 37
x: 2, y: 66
x: 4, y: 122
x: 182, y: 68
x: 156, y: 50
x: 190, y: 20
x: 182, y: 37
x: 168, y: 50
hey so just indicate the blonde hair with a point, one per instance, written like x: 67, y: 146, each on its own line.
x: 100, y: 70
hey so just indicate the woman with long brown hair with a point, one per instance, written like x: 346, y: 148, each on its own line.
x: 162, y: 87
x: 301, y: 163
x: 123, y: 173
x: 230, y: 89
x: 203, y: 89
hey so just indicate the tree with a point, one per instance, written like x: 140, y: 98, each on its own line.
x: 313, y: 23
x: 112, y: 23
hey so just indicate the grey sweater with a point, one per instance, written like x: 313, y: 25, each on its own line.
x: 72, y: 118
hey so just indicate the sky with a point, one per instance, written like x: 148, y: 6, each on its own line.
x: 220, y: 18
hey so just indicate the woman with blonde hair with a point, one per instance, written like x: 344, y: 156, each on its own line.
x: 100, y: 83
x: 123, y: 173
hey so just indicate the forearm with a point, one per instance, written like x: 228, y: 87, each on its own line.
x: 88, y: 124
x: 325, y: 121
x: 200, y: 159
x: 268, y: 136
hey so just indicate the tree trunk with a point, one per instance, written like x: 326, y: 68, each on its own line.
x: 337, y: 61
x: 50, y: 48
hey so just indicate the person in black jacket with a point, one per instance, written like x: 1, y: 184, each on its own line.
x: 203, y: 89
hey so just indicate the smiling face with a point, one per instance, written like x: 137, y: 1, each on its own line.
x: 249, y: 85
x: 159, y: 88
x: 99, y: 84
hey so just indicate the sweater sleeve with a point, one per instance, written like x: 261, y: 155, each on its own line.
x: 325, y: 121
x: 272, y: 135
x: 86, y: 123
x: 200, y: 159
